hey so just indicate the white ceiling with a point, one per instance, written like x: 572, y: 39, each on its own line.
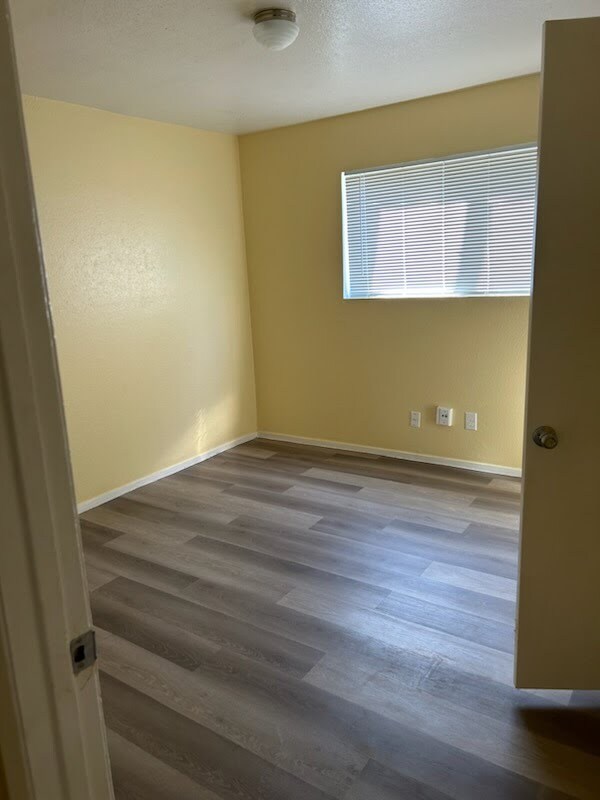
x: 195, y: 62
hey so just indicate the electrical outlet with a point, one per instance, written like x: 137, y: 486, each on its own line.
x: 415, y: 419
x: 470, y: 420
x: 443, y: 416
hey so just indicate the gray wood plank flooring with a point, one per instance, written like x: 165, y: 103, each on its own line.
x: 286, y: 622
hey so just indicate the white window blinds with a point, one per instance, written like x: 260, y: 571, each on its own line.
x: 457, y: 227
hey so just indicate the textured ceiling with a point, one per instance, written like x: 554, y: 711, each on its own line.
x: 195, y: 62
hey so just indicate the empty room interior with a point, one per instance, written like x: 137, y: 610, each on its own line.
x: 321, y: 282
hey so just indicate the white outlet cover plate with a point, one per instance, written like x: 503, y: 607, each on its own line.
x: 415, y: 419
x: 470, y: 420
x: 443, y: 416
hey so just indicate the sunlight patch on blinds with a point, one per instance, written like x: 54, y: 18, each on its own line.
x: 457, y: 227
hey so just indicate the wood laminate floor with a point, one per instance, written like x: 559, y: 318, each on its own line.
x: 293, y: 623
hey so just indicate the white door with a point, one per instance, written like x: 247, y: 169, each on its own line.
x: 52, y: 736
x: 558, y: 620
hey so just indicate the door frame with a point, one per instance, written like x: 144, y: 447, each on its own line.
x: 52, y: 733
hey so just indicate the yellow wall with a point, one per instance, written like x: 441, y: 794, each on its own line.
x: 143, y: 241
x: 351, y: 370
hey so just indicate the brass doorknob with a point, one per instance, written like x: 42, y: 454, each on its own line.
x: 545, y: 436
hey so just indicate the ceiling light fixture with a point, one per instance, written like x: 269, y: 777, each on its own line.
x: 275, y: 28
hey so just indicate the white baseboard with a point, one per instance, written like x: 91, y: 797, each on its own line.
x: 162, y: 473
x: 476, y: 466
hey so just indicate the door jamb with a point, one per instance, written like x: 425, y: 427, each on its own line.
x: 52, y: 734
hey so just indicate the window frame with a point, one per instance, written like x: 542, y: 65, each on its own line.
x: 417, y: 162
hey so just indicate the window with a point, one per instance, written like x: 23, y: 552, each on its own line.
x: 458, y: 227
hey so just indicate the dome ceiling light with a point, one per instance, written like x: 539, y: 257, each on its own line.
x: 275, y: 28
